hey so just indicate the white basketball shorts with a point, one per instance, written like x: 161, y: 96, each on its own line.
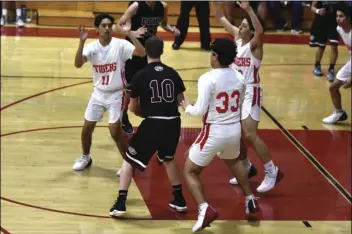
x: 220, y: 140
x: 345, y: 72
x: 97, y: 106
x: 252, y: 101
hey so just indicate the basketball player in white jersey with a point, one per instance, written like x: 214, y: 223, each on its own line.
x: 343, y: 77
x: 107, y: 56
x: 249, y: 39
x: 219, y: 93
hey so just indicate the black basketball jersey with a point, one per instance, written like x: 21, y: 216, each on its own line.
x: 157, y: 87
x: 149, y: 17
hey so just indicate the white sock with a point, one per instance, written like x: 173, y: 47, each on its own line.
x: 247, y: 163
x: 4, y: 12
x: 270, y: 167
x: 18, y: 12
x: 250, y: 197
x: 86, y: 156
x: 203, y: 205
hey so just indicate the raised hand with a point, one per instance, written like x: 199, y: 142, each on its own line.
x: 217, y: 8
x: 140, y: 33
x: 83, y: 33
x: 244, y: 5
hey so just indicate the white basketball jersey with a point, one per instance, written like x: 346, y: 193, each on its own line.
x: 346, y: 37
x: 108, y: 63
x: 219, y: 94
x: 246, y: 63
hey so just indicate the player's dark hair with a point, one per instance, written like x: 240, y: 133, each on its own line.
x: 250, y: 23
x: 100, y: 17
x: 154, y: 47
x: 345, y: 9
x: 225, y: 49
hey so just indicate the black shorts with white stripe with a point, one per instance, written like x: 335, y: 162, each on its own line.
x: 323, y: 30
x: 154, y: 135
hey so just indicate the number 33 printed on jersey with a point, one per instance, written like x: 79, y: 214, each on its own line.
x: 233, y: 99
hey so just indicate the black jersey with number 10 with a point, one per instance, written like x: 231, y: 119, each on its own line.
x: 157, y: 87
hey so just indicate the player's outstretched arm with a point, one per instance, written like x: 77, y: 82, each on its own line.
x: 139, y: 49
x: 165, y: 24
x: 80, y: 59
x: 258, y: 37
x: 219, y: 14
x: 119, y: 28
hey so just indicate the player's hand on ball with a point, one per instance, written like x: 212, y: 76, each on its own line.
x: 347, y: 84
x: 140, y: 33
x: 184, y: 103
x: 83, y: 33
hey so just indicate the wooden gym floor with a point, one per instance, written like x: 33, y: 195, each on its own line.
x: 43, y: 98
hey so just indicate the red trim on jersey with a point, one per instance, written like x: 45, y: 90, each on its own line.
x: 205, y: 117
x: 200, y: 136
x: 254, y: 100
x: 123, y: 101
x: 256, y: 74
x: 206, y: 135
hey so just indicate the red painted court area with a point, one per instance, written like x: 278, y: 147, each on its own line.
x: 303, y: 194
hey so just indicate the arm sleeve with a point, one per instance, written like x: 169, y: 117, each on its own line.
x: 203, y: 99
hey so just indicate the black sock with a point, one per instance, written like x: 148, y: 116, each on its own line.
x: 317, y: 63
x: 332, y: 66
x: 122, y: 194
x: 177, y: 190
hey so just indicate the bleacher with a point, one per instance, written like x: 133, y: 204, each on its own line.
x: 71, y: 14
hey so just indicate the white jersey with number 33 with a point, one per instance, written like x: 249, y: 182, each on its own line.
x: 246, y: 63
x: 108, y: 65
x: 219, y: 96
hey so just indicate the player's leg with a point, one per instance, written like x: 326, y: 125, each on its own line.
x: 166, y: 152
x: 4, y: 6
x: 203, y: 12
x: 115, y: 110
x: 251, y: 170
x: 230, y: 155
x: 272, y: 173
x: 141, y: 149
x: 200, y: 155
x: 130, y: 70
x: 93, y: 114
x: 182, y: 23
x: 19, y: 17
x: 318, y: 39
x: 334, y: 37
x: 339, y: 114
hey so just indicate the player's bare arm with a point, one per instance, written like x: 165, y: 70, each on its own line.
x: 123, y: 25
x: 316, y: 10
x: 258, y: 38
x: 139, y: 49
x: 135, y: 107
x: 219, y: 14
x: 80, y: 59
x: 180, y: 98
x: 165, y: 24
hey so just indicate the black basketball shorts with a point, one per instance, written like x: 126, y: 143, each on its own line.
x: 154, y: 135
x: 323, y: 30
x: 132, y: 66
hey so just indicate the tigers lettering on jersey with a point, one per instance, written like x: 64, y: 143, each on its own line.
x: 105, y: 68
x: 243, y: 62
